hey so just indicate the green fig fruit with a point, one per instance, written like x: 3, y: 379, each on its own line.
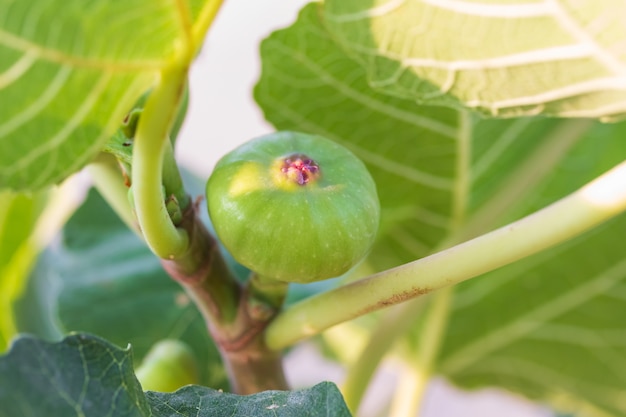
x: 294, y: 207
x: 169, y: 365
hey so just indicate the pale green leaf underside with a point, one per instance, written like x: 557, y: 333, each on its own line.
x: 69, y: 71
x: 434, y: 177
x: 503, y: 58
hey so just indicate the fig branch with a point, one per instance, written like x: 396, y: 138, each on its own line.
x: 591, y: 205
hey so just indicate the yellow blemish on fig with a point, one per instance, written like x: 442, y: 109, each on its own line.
x: 249, y: 178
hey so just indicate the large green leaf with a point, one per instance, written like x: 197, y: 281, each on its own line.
x: 505, y: 58
x: 442, y: 174
x: 69, y: 72
x: 87, y: 376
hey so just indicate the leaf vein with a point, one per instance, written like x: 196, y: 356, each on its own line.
x: 501, y: 11
x: 610, y: 62
x: 64, y: 133
x: 536, y: 56
x: 18, y: 68
x: 585, y: 87
x: 44, y: 99
x: 56, y: 56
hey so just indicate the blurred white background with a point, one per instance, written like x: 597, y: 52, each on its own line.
x: 222, y: 115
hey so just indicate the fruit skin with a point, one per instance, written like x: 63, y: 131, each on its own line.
x: 169, y: 365
x: 285, y: 230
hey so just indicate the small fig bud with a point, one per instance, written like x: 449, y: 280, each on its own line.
x: 169, y: 365
x: 294, y: 207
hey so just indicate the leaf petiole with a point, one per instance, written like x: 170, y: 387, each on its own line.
x: 150, y: 147
x: 594, y: 203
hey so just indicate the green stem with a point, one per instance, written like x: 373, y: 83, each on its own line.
x: 107, y: 178
x: 268, y: 290
x: 596, y: 202
x: 150, y: 146
x: 421, y: 367
x: 387, y: 331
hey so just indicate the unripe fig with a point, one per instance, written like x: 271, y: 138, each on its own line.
x: 294, y: 207
x: 169, y: 365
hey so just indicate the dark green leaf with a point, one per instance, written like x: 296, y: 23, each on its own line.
x: 80, y: 376
x: 322, y: 400
x: 87, y: 376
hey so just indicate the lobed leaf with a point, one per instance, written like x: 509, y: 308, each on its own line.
x: 488, y: 172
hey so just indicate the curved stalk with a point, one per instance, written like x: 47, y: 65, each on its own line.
x: 596, y: 202
x: 151, y: 142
